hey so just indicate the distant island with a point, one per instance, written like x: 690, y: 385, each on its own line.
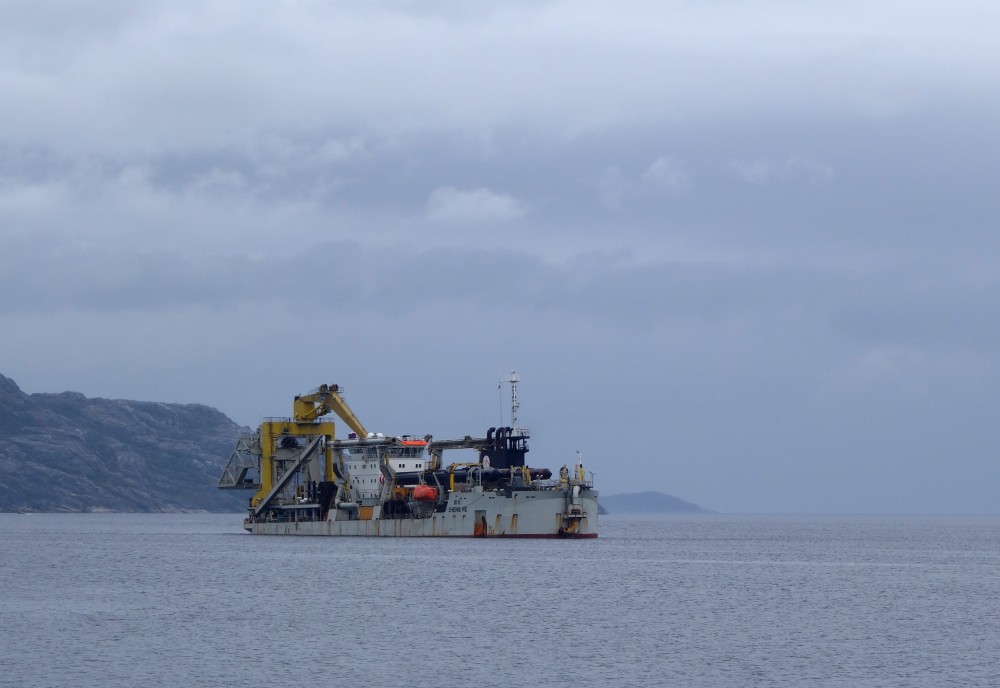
x: 648, y: 503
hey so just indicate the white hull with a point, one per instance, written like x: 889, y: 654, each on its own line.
x: 529, y: 513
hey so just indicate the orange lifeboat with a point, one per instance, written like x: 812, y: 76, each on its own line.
x: 425, y: 493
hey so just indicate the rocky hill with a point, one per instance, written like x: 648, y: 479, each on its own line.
x: 65, y: 452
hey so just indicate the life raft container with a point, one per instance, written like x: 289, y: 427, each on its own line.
x: 425, y: 493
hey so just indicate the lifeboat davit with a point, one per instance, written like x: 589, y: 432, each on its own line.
x: 425, y: 493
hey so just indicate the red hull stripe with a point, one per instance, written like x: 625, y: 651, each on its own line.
x: 555, y: 536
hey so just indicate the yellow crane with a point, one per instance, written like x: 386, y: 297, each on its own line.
x: 276, y: 434
x: 309, y: 407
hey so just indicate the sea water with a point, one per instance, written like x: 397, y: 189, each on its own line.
x: 102, y: 600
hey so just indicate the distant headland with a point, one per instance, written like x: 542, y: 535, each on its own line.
x: 68, y: 453
x: 648, y: 503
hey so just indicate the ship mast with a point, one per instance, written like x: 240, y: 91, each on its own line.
x: 513, y: 379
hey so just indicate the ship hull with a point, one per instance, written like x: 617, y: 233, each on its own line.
x: 521, y: 514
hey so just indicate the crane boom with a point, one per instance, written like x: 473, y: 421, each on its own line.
x: 326, y: 399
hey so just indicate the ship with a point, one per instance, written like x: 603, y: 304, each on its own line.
x: 309, y: 482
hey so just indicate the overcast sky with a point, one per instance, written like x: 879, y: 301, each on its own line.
x: 745, y: 253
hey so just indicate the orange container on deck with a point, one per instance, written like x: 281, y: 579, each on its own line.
x: 425, y: 493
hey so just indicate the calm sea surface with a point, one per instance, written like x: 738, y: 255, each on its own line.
x: 99, y: 600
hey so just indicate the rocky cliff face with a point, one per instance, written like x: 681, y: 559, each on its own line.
x: 65, y: 452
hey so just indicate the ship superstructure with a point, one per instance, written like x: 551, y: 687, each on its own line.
x: 308, y: 482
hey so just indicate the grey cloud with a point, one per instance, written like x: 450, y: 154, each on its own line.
x: 617, y: 293
x: 790, y: 168
x: 449, y: 205
x: 300, y: 67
